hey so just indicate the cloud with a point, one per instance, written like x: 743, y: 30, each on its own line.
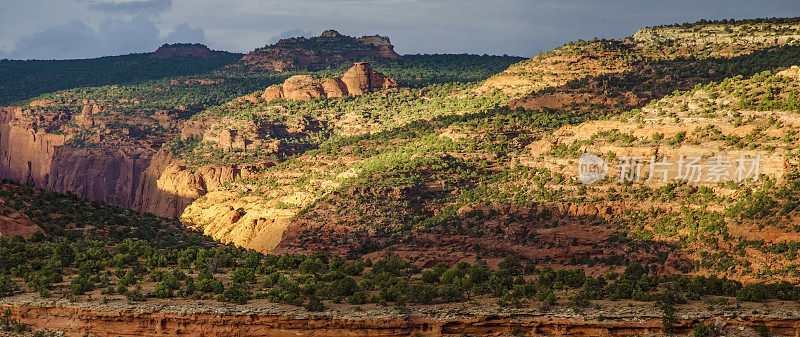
x: 292, y: 33
x: 133, y: 7
x: 70, y: 40
x: 76, y: 39
x: 184, y: 33
x: 76, y: 28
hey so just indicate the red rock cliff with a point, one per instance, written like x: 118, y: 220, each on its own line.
x: 130, y: 177
x: 81, y: 321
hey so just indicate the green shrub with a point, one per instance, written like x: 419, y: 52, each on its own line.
x: 702, y: 330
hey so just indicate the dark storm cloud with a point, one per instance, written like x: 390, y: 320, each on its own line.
x: 292, y: 33
x: 152, y: 6
x: 35, y: 28
x: 70, y: 40
x: 114, y: 37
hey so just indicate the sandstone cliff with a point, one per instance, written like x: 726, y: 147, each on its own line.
x: 249, y: 222
x: 166, y: 188
x: 358, y: 80
x: 130, y: 177
x: 272, y: 320
x: 328, y: 49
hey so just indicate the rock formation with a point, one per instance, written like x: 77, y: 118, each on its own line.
x: 793, y: 72
x: 17, y: 223
x: 130, y: 177
x: 183, y: 50
x: 330, y: 49
x: 358, y: 80
x: 272, y: 320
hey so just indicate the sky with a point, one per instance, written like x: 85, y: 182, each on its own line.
x: 68, y: 29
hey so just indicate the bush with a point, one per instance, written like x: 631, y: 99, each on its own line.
x: 243, y: 275
x: 314, y: 304
x: 135, y: 295
x: 702, y: 330
x: 762, y: 330
x: 343, y: 287
x: 210, y: 286
x: 161, y: 290
x: 7, y: 286
x: 451, y: 293
x: 236, y: 293
x: 757, y: 292
x: 357, y: 298
x: 547, y: 297
x: 422, y: 293
x: 80, y: 285
x: 190, y: 288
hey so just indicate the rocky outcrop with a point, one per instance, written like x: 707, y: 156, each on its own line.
x: 793, y: 72
x: 251, y: 222
x: 167, y: 189
x: 17, y: 223
x: 86, y: 117
x: 358, y: 80
x: 724, y: 35
x: 385, y: 47
x: 302, y: 88
x: 330, y: 49
x: 183, y: 50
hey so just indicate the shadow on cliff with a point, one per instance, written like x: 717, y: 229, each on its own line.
x: 561, y: 235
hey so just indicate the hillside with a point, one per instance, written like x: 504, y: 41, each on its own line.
x: 26, y: 79
x: 658, y: 170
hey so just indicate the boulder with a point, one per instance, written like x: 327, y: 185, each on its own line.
x: 302, y: 88
x: 358, y: 80
x: 793, y: 73
x: 334, y: 87
x: 273, y: 93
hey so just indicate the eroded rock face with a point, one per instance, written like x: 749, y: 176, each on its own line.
x: 97, y: 174
x: 330, y: 49
x: 168, y: 188
x: 358, y: 80
x: 26, y: 152
x: 385, y: 47
x: 137, y: 178
x: 17, y: 223
x: 249, y: 222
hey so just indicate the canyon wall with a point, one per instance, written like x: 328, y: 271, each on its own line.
x: 81, y: 321
x: 136, y: 178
